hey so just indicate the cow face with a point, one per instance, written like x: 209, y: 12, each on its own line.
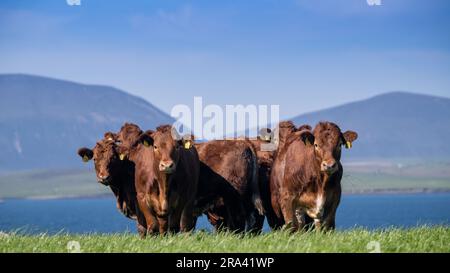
x: 328, y: 140
x: 128, y: 135
x: 105, y: 158
x: 166, y: 146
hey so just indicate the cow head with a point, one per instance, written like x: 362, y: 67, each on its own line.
x: 128, y: 134
x: 105, y: 158
x: 166, y: 146
x: 328, y: 139
x: 282, y: 133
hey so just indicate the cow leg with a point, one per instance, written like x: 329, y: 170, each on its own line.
x: 152, y: 225
x: 255, y: 222
x: 188, y: 220
x: 259, y: 223
x: 174, y: 220
x: 236, y: 215
x: 287, y: 208
x: 163, y: 224
x: 300, y: 219
x: 329, y: 223
x: 141, y: 223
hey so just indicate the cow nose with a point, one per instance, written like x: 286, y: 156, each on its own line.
x: 103, y: 179
x: 166, y: 166
x: 329, y: 166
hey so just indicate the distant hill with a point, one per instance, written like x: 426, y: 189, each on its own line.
x: 43, y: 121
x: 393, y: 125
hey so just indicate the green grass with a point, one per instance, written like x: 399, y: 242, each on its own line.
x: 420, y: 239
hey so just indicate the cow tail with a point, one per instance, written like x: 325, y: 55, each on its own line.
x: 254, y: 185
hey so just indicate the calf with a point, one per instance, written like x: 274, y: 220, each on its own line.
x: 117, y: 174
x: 232, y: 166
x: 166, y: 179
x: 309, y: 175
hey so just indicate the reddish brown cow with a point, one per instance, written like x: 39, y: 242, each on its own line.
x: 128, y: 135
x: 166, y: 179
x: 308, y: 175
x: 280, y: 136
x: 232, y: 162
x: 117, y: 174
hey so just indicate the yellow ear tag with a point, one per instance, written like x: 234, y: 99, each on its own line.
x: 146, y: 144
x: 187, y: 145
x: 122, y: 157
x: 85, y: 158
x: 348, y: 145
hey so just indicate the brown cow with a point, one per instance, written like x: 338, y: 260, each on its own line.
x: 117, y: 174
x: 128, y: 134
x: 231, y: 162
x: 271, y: 193
x: 308, y: 175
x: 166, y: 179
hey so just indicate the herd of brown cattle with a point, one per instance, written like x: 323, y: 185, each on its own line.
x: 166, y: 182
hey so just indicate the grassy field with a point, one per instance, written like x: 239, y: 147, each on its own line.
x: 421, y: 239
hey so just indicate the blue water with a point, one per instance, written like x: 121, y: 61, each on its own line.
x: 89, y: 215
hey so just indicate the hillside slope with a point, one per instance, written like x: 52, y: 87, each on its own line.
x: 43, y: 121
x: 393, y: 125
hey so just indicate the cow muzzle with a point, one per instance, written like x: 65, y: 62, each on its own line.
x: 167, y: 167
x: 329, y: 167
x: 104, y: 180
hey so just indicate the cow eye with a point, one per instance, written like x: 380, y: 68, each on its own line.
x: 315, y: 145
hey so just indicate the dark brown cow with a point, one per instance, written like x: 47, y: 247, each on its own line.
x: 231, y: 162
x: 220, y: 201
x: 117, y: 174
x: 265, y: 155
x: 166, y: 179
x: 308, y: 175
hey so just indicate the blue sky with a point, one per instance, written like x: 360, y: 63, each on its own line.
x: 304, y: 55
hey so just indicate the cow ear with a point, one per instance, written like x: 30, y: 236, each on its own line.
x: 349, y: 137
x: 306, y: 136
x: 265, y: 134
x: 86, y: 154
x: 146, y: 138
x: 304, y: 127
x: 188, y: 141
x: 110, y: 136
